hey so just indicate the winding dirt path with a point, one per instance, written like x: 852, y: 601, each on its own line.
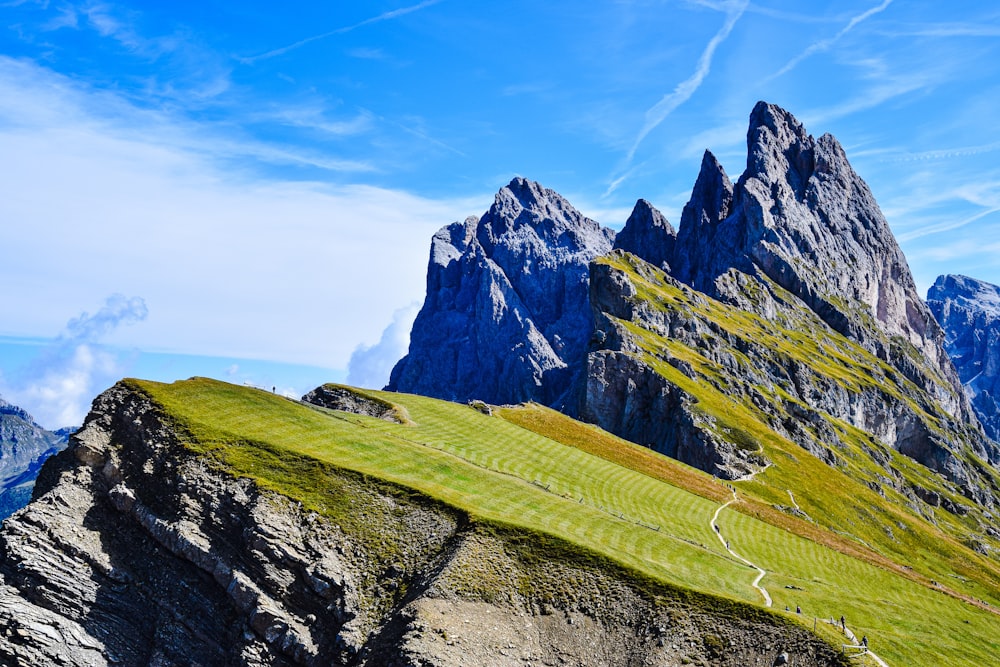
x: 718, y: 533
x: 761, y: 572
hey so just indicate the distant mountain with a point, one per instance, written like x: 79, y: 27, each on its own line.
x: 969, y: 312
x: 24, y: 447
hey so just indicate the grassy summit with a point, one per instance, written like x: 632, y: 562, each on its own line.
x: 578, y: 492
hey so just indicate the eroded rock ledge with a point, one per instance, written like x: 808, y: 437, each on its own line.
x: 136, y: 551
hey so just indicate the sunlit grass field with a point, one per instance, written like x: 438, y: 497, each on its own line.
x: 544, y: 474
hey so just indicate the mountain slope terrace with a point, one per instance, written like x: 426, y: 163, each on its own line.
x: 210, y: 523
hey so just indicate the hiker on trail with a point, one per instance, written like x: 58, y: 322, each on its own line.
x: 717, y: 530
x: 864, y: 641
x: 727, y: 545
x: 798, y: 609
x: 843, y: 623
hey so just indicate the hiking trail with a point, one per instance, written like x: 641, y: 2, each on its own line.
x: 718, y: 533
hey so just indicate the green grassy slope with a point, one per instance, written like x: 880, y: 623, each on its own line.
x: 603, y: 497
x: 931, y: 541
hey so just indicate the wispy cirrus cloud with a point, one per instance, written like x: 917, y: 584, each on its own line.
x: 900, y: 155
x: 659, y: 112
x: 946, y: 226
x: 685, y: 89
x: 827, y: 44
x: 385, y: 16
x: 945, y: 30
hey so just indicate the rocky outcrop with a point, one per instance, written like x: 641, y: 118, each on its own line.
x: 135, y: 551
x: 969, y: 313
x: 801, y: 218
x: 24, y: 447
x: 797, y: 250
x: 349, y: 399
x: 506, y: 317
x: 648, y: 234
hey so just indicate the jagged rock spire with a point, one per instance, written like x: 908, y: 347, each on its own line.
x: 506, y: 316
x: 698, y: 240
x: 648, y: 234
x: 800, y: 216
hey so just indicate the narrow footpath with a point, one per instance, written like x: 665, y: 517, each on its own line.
x: 725, y: 543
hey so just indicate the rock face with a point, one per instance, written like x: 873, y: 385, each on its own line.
x: 800, y: 217
x: 784, y: 296
x: 969, y: 313
x: 798, y: 247
x: 648, y: 234
x: 135, y: 551
x: 24, y: 447
x: 506, y: 317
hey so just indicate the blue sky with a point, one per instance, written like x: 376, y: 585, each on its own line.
x: 247, y: 190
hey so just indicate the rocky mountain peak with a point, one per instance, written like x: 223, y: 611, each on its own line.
x: 800, y: 218
x: 710, y: 204
x: 648, y: 234
x: 778, y: 147
x: 506, y: 307
x: 14, y: 411
x: 969, y: 311
x: 965, y: 290
x: 527, y: 211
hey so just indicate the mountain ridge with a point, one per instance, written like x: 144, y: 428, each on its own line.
x: 798, y: 240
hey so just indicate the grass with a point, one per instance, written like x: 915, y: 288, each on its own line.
x: 570, y: 491
x: 892, y: 531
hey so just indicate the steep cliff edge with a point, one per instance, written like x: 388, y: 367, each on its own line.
x: 969, y: 312
x: 141, y: 549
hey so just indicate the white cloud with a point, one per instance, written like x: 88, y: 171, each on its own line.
x: 826, y: 44
x: 100, y: 197
x: 684, y: 90
x: 370, y: 365
x: 60, y: 382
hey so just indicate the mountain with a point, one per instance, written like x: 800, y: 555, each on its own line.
x: 969, y: 313
x: 787, y: 311
x: 781, y: 308
x: 506, y: 317
x: 771, y: 435
x: 24, y: 447
x: 212, y: 524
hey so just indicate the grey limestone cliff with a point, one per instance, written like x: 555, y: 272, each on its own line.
x: 135, y: 551
x: 801, y: 217
x: 797, y: 247
x: 506, y: 316
x: 969, y: 313
x: 648, y: 234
